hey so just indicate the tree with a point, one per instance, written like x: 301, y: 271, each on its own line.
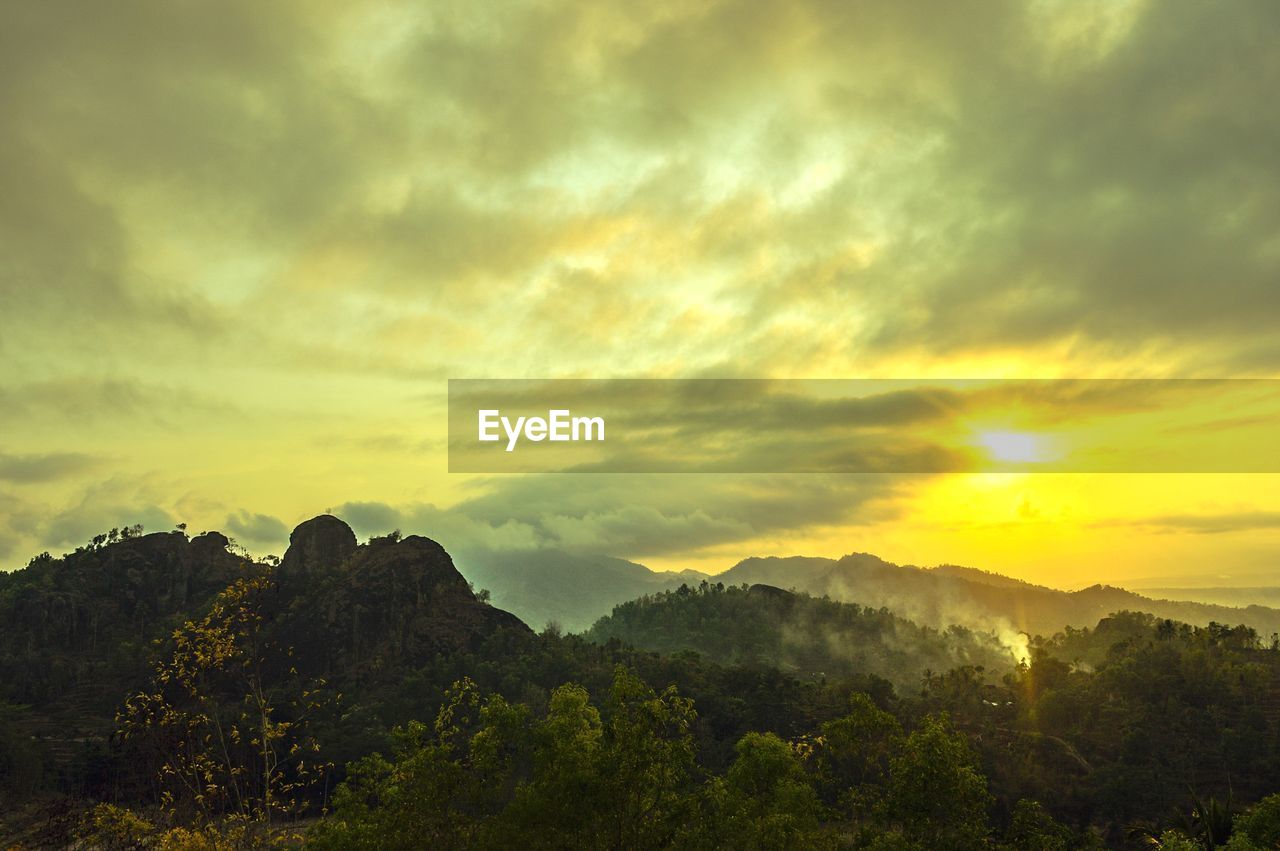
x: 937, y: 795
x: 489, y: 777
x: 224, y: 723
x: 1261, y: 823
x: 648, y: 758
x: 1033, y: 829
x: 441, y: 784
x: 23, y: 768
x: 853, y: 753
x: 771, y: 800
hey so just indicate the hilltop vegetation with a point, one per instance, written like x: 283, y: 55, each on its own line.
x: 361, y: 695
x: 760, y: 625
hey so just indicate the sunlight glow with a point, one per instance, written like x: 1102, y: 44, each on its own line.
x: 1013, y: 446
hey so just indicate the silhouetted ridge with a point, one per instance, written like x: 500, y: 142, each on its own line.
x: 570, y: 589
x: 977, y: 599
x: 320, y: 544
x: 92, y: 598
x: 365, y: 609
x: 350, y: 611
x: 771, y: 591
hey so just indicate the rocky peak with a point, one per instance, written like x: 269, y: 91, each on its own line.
x: 393, y: 601
x: 210, y: 544
x: 318, y: 545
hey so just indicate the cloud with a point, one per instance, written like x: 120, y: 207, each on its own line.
x: 113, y: 502
x: 1113, y: 201
x: 635, y: 516
x: 44, y: 467
x: 77, y: 525
x: 865, y: 426
x: 760, y: 190
x: 17, y: 518
x: 369, y: 518
x: 261, y: 529
x: 84, y: 399
x: 1209, y: 524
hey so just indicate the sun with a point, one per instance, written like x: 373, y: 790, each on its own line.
x: 1015, y: 447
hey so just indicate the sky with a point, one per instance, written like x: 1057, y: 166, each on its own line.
x: 243, y: 246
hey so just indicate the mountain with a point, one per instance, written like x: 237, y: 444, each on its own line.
x: 1258, y: 596
x: 79, y: 633
x: 761, y: 625
x: 979, y: 600
x: 984, y: 577
x: 574, y: 590
x: 90, y: 615
x: 361, y: 609
x: 156, y: 688
x: 544, y: 586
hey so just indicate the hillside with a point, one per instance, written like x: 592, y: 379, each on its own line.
x: 91, y: 615
x: 141, y: 664
x: 80, y: 633
x: 761, y: 625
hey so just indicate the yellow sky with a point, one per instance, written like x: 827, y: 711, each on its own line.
x: 243, y: 246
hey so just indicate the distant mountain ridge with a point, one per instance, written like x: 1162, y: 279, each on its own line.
x: 951, y: 594
x: 1266, y: 595
x: 573, y: 591
x: 576, y: 590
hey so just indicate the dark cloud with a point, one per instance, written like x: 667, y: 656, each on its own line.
x: 635, y: 515
x: 78, y: 525
x: 1126, y: 201
x: 306, y: 212
x: 45, y: 467
x: 1211, y: 524
x: 113, y: 502
x: 369, y: 518
x: 18, y: 519
x: 260, y: 529
x: 84, y: 399
x: 833, y: 180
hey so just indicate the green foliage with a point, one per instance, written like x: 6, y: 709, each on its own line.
x: 1132, y: 715
x: 1174, y: 840
x: 762, y: 625
x: 1260, y: 824
x: 625, y: 776
x: 771, y: 801
x: 937, y: 795
x: 544, y: 741
x: 852, y: 755
x: 24, y: 768
x: 1033, y: 829
x: 113, y: 828
x: 486, y: 777
x: 222, y: 726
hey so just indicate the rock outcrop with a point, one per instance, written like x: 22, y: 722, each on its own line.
x: 318, y: 546
x: 366, y: 608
